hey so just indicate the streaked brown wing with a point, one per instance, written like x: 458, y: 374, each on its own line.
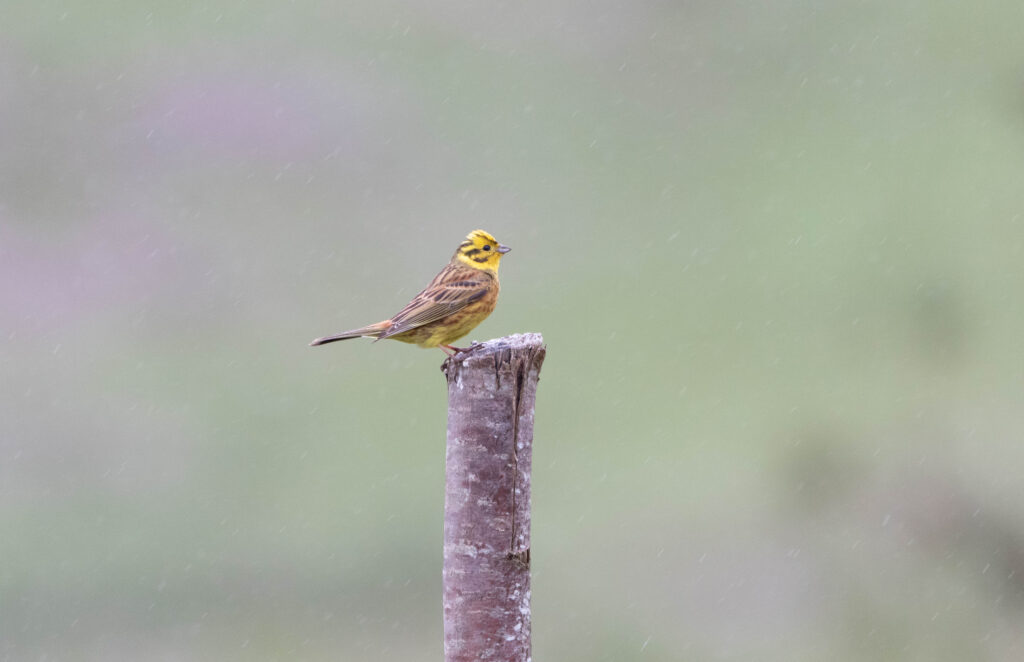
x: 452, y: 290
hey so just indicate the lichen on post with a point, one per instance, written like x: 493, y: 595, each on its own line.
x: 491, y: 395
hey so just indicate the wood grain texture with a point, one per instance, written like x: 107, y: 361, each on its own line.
x: 491, y: 395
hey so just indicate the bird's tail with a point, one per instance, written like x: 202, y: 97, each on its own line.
x: 371, y: 331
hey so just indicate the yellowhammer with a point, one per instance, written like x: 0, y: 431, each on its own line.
x: 459, y: 298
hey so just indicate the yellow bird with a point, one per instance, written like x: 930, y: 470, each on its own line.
x: 459, y: 298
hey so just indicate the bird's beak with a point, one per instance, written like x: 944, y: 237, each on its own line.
x: 502, y: 248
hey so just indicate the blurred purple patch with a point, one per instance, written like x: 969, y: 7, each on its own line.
x: 283, y: 119
x: 50, y: 281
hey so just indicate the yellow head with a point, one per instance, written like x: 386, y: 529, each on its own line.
x: 481, y: 251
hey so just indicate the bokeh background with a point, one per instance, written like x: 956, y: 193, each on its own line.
x: 774, y: 248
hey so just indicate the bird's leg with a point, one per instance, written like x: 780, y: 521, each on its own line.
x: 459, y: 350
x: 445, y: 348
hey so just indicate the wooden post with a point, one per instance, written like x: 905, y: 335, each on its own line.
x: 491, y: 392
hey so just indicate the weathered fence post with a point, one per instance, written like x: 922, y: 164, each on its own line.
x: 491, y: 392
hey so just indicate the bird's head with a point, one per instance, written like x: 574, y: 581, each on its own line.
x: 481, y: 251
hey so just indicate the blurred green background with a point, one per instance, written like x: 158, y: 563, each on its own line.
x: 774, y: 249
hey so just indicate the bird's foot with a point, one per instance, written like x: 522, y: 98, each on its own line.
x: 451, y: 351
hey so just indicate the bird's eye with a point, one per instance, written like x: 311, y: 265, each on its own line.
x: 487, y: 247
